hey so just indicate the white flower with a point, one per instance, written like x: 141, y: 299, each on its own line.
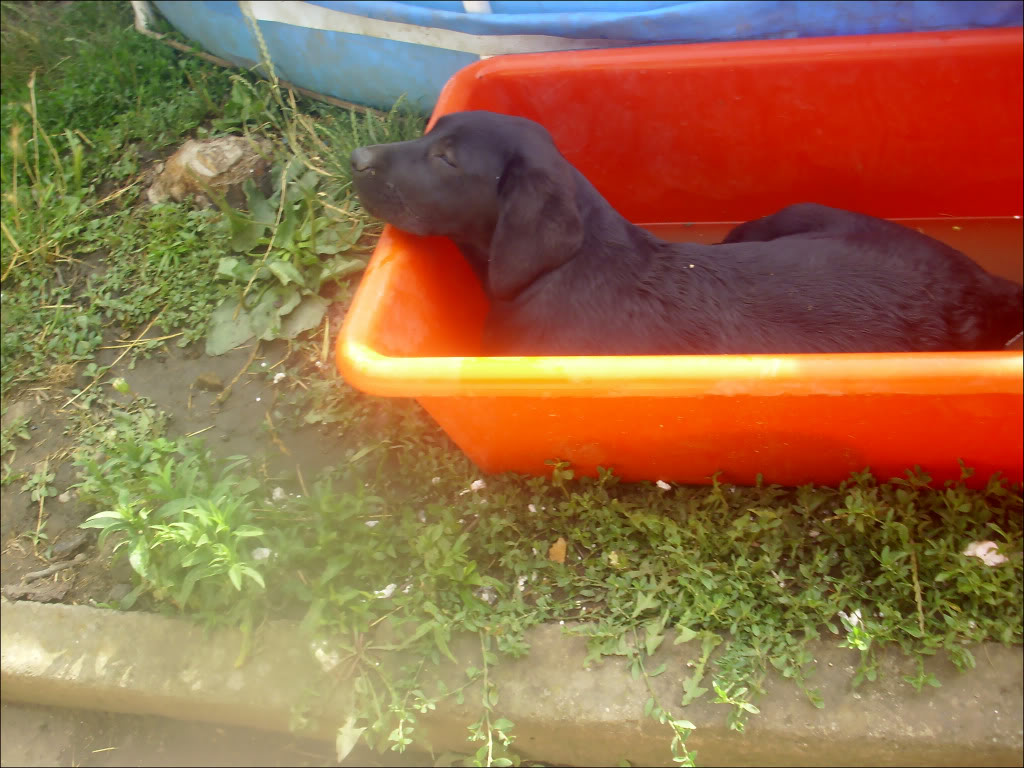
x: 278, y: 377
x: 386, y: 592
x: 328, y: 659
x: 421, y: 516
x: 371, y: 523
x: 476, y: 485
x: 435, y: 480
x: 258, y: 399
x: 487, y: 593
x: 852, y: 619
x: 521, y: 584
x: 663, y: 485
x: 814, y: 534
x: 532, y: 508
x: 263, y: 364
x: 986, y: 551
x: 261, y: 553
x: 278, y: 494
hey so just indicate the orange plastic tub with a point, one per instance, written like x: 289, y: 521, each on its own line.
x: 925, y: 128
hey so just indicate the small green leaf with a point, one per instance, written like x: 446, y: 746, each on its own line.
x: 307, y: 314
x: 339, y: 267
x: 97, y: 520
x: 128, y: 600
x: 347, y: 737
x: 442, y: 642
x: 227, y: 265
x: 286, y: 272
x: 259, y: 208
x: 684, y: 635
x: 284, y: 237
x: 652, y: 640
x: 255, y: 575
x: 265, y: 317
x: 139, y: 559
x: 235, y: 574
x: 247, y: 237
x: 228, y: 329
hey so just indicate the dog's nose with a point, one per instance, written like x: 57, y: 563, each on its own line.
x: 362, y: 159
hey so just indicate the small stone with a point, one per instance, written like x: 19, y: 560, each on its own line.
x: 68, y: 545
x: 118, y: 592
x: 208, y: 382
x: 222, y: 164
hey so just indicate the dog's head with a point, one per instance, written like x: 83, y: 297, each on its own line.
x: 487, y: 180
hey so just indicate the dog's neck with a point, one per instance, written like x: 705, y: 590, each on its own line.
x: 477, y: 258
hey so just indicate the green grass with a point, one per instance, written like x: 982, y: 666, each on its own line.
x: 78, y: 112
x: 762, y: 571
x: 83, y: 258
x: 394, y: 534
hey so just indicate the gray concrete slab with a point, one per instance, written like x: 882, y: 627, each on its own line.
x: 564, y: 713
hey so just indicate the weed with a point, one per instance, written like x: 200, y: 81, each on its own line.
x: 186, y: 521
x: 38, y: 485
x: 37, y: 536
x: 18, y: 428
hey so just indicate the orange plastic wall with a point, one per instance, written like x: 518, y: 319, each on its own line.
x: 898, y: 126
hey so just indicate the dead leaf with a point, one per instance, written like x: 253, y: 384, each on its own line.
x: 557, y: 552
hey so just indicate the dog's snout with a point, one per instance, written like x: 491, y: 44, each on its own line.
x: 361, y: 159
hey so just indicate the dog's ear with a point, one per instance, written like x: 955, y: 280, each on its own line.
x: 539, y: 226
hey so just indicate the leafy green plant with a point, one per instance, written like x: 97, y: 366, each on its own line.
x: 188, y: 525
x: 302, y: 251
x: 184, y: 544
x: 38, y: 485
x: 18, y: 428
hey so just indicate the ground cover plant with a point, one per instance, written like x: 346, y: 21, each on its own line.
x: 107, y: 298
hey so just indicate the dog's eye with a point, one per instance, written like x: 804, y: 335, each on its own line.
x: 446, y: 158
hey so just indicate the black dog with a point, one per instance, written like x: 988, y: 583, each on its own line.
x: 567, y: 275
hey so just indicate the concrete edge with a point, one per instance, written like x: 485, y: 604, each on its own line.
x: 564, y: 713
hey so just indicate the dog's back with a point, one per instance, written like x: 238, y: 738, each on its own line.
x: 863, y: 290
x: 980, y: 310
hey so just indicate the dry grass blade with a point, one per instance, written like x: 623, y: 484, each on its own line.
x: 138, y: 342
x: 227, y: 390
x: 101, y: 375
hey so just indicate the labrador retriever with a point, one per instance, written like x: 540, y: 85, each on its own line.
x: 567, y: 275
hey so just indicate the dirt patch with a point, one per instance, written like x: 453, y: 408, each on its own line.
x: 192, y: 389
